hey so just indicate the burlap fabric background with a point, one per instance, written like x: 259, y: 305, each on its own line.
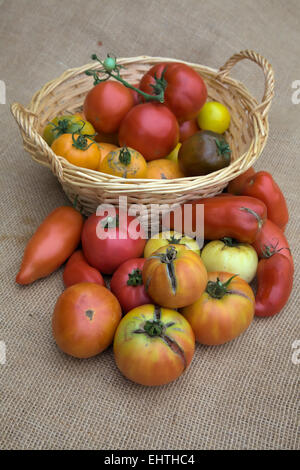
x: 243, y: 395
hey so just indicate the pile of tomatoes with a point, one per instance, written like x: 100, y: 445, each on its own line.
x: 161, y: 128
x: 169, y: 292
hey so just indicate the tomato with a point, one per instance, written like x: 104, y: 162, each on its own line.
x: 85, y: 319
x: 109, y: 240
x: 230, y: 256
x: 151, y: 129
x: 187, y: 129
x: 262, y: 186
x: 214, y: 116
x: 236, y: 185
x: 163, y: 169
x: 78, y: 270
x: 124, y: 162
x: 224, y: 310
x: 185, y: 91
x: 51, y: 245
x: 174, y: 276
x: 167, y: 238
x: 203, y: 153
x: 127, y: 284
x: 78, y: 150
x: 104, y: 148
x: 271, y: 240
x: 173, y: 155
x: 275, y: 283
x: 153, y: 345
x: 136, y: 95
x: 67, y: 124
x: 238, y: 217
x: 106, y: 104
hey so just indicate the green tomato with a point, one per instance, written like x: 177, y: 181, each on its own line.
x: 67, y: 124
x: 231, y: 257
x: 214, y: 117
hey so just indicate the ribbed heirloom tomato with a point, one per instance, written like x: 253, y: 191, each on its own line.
x: 153, y: 345
x: 174, y: 276
x: 224, y: 310
x: 85, y: 318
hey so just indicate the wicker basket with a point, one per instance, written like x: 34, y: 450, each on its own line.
x: 247, y: 134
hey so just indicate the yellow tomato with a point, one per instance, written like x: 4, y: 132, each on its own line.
x: 167, y: 238
x: 173, y: 156
x: 163, y: 169
x: 214, y: 116
x: 78, y: 150
x: 231, y: 257
x: 125, y: 162
x: 67, y: 124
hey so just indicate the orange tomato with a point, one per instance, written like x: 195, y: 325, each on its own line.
x: 223, y: 311
x: 153, y: 345
x: 174, y: 276
x: 85, y: 319
x: 125, y: 162
x: 77, y: 149
x: 163, y: 169
x: 104, y: 148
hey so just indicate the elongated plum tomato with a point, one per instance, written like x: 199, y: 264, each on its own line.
x: 85, y: 319
x: 78, y: 270
x: 174, y: 276
x: 153, y: 345
x: 151, y: 129
x: 185, y: 91
x: 223, y: 311
x: 106, y: 104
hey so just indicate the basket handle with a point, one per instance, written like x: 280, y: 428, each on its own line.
x: 264, y: 106
x: 27, y: 120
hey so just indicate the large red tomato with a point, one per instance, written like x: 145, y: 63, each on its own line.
x: 185, y: 91
x: 151, y: 129
x: 127, y: 284
x: 153, y: 345
x: 223, y: 311
x: 108, y: 241
x: 106, y: 104
x: 85, y: 318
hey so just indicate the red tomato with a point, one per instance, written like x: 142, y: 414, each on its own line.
x: 271, y: 240
x: 275, y: 282
x: 121, y: 242
x: 85, y: 319
x: 223, y: 311
x: 153, y: 345
x: 78, y: 270
x: 236, y: 185
x: 151, y: 129
x: 136, y: 95
x: 185, y: 91
x: 262, y: 186
x: 106, y: 104
x: 187, y: 129
x: 127, y: 284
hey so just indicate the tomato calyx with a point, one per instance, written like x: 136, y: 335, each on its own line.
x: 81, y: 142
x: 135, y: 278
x: 168, y: 258
x: 270, y: 250
x: 228, y: 241
x: 223, y: 148
x: 125, y: 156
x: 217, y: 289
x: 173, y: 240
x: 110, y: 222
x: 160, y: 84
x: 111, y: 69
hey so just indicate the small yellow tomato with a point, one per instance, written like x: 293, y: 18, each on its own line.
x: 67, y: 124
x: 214, y: 117
x: 173, y: 156
x: 232, y: 257
x: 78, y: 150
x: 167, y: 238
